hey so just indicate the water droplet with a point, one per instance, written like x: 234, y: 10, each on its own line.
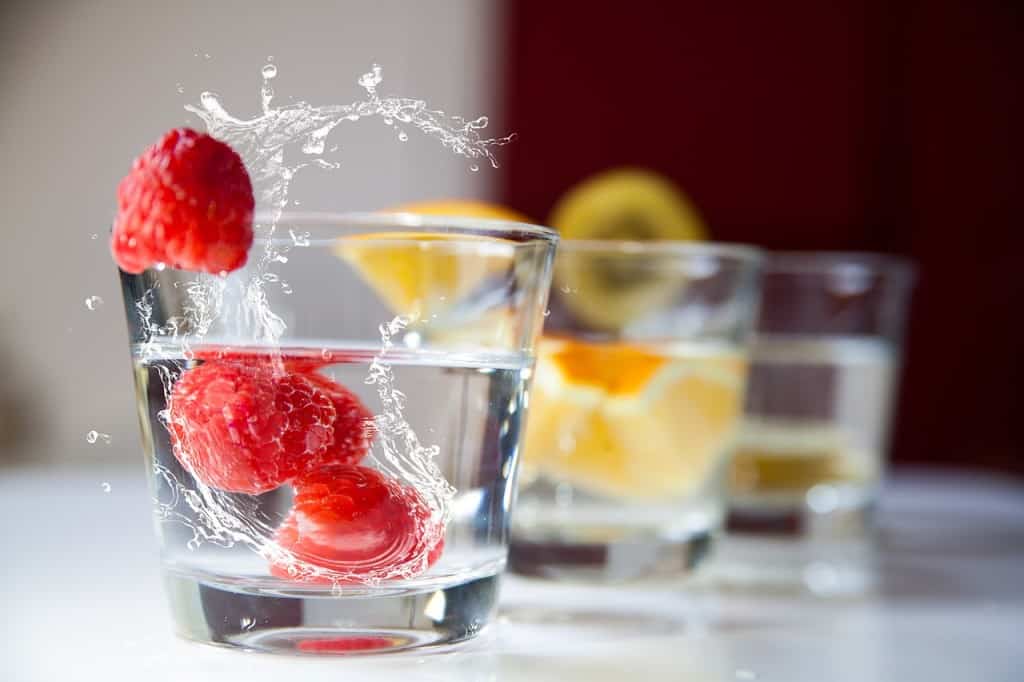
x: 206, y: 55
x: 105, y: 486
x: 93, y: 302
x: 269, y: 71
x: 180, y: 88
x: 285, y: 287
x: 326, y: 355
x: 388, y: 120
x: 547, y: 313
x: 160, y: 267
x: 270, y: 57
x: 296, y: 202
x: 247, y: 623
x: 474, y: 168
x: 403, y: 136
x: 94, y: 236
x: 94, y: 437
x: 299, y: 239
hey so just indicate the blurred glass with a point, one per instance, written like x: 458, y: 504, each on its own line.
x: 819, y: 407
x: 636, y: 402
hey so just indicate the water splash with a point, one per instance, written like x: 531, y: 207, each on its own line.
x: 93, y: 302
x: 276, y: 145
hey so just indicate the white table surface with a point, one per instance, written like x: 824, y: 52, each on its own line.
x: 82, y: 601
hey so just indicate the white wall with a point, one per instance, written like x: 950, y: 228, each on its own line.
x: 85, y: 86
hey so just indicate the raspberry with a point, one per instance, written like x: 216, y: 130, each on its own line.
x: 353, y: 425
x: 248, y: 430
x: 348, y: 644
x: 291, y: 361
x: 187, y: 203
x: 354, y: 520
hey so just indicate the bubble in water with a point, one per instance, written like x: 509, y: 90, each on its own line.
x: 105, y: 486
x: 403, y: 136
x: 94, y: 236
x: 474, y: 168
x: 326, y: 355
x: 299, y: 238
x: 94, y: 437
x: 180, y: 88
x: 93, y: 302
x: 269, y: 71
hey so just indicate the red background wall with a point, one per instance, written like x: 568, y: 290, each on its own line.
x: 881, y: 126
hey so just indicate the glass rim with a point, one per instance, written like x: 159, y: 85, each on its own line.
x: 675, y: 247
x: 824, y: 262
x: 516, y: 232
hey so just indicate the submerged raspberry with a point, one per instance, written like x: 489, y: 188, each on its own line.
x: 355, y: 521
x: 353, y: 425
x: 248, y: 430
x: 187, y: 203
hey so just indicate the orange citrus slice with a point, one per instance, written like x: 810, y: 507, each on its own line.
x: 423, y: 274
x: 632, y: 421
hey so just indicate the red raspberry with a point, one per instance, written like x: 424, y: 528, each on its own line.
x: 248, y: 430
x: 347, y: 645
x: 187, y: 203
x: 354, y: 520
x: 291, y: 361
x: 353, y: 425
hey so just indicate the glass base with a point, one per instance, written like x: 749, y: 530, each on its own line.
x: 608, y: 562
x: 317, y: 623
x: 798, y: 549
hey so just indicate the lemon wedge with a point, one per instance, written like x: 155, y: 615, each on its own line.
x: 608, y: 292
x: 632, y: 421
x: 423, y: 274
x: 463, y: 208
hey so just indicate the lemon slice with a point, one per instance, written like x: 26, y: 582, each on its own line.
x: 774, y: 456
x: 631, y: 421
x: 609, y: 292
x: 464, y: 208
x: 424, y: 274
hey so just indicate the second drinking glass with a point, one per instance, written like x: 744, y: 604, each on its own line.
x: 636, y: 401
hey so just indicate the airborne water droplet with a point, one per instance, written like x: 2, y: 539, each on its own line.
x: 403, y: 136
x: 180, y: 88
x: 93, y: 302
x: 105, y: 486
x: 269, y: 71
x: 94, y: 437
x: 547, y: 313
x: 94, y: 236
x: 474, y: 168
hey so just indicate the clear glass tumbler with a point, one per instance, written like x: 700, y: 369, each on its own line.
x: 634, y: 407
x: 332, y: 432
x: 819, y: 406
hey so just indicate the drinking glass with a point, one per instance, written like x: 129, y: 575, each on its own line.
x: 430, y: 323
x: 819, y: 406
x: 635, y: 403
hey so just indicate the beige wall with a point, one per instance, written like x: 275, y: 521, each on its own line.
x: 85, y: 85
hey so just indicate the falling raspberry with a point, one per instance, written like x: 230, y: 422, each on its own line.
x: 186, y: 203
x: 355, y: 521
x: 248, y: 430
